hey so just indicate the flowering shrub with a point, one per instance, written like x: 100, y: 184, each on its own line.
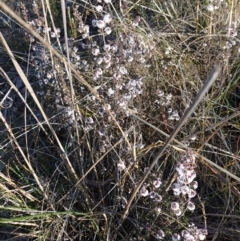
x: 107, y: 58
x: 135, y: 66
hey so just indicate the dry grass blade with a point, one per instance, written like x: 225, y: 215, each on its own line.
x: 12, y: 184
x: 22, y: 153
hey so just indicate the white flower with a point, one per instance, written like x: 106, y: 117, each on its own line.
x: 107, y: 58
x: 123, y: 70
x: 190, y: 206
x: 144, y: 192
x: 201, y: 236
x: 180, y: 169
x: 121, y: 166
x: 169, y: 97
x: 130, y: 59
x: 176, y: 186
x: 46, y: 29
x: 114, y: 48
x: 69, y: 112
x: 191, y: 177
x: 178, y: 212
x: 195, y: 185
x: 108, y: 106
x: 75, y: 49
x: 117, y: 75
x: 185, y: 233
x: 108, y: 65
x: 110, y: 92
x: 100, y: 24
x: 107, y: 30
x: 192, y: 193
x: 142, y: 60
x: 175, y: 206
x: 176, y: 237
x: 107, y: 47
x: 95, y: 51
x: 45, y: 81
x: 193, y: 138
x: 175, y: 114
x: 98, y: 71
x: 160, y: 234
x: 107, y: 18
x: 190, y: 237
x: 184, y: 189
x: 122, y: 103
x: 99, y: 8
x: 85, y: 29
x: 177, y: 192
x: 53, y: 35
x: 99, y: 60
x: 49, y: 76
x: 160, y: 93
x: 101, y: 111
x: 182, y: 180
x: 127, y: 97
x: 202, y: 233
x: 96, y: 77
x: 131, y: 41
x: 153, y: 194
x: 132, y: 83
x: 158, y: 210
x: 77, y: 57
x: 210, y: 8
x: 157, y: 183
x: 167, y: 52
x: 89, y: 120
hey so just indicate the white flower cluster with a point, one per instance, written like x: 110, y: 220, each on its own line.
x: 191, y: 234
x: 102, y: 23
x: 173, y: 114
x: 214, y: 5
x: 232, y: 32
x: 164, y: 99
x: 132, y: 89
x: 185, y: 184
x: 121, y: 165
x: 114, y: 59
x: 160, y: 234
x: 144, y: 192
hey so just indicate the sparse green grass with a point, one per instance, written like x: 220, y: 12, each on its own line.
x: 69, y: 163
